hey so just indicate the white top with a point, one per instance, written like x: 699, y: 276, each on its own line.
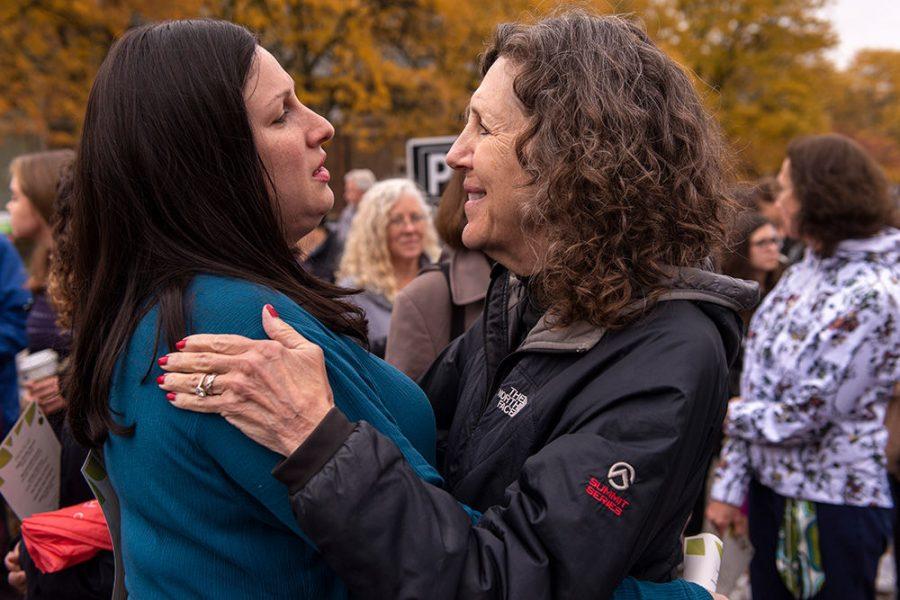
x: 821, y: 358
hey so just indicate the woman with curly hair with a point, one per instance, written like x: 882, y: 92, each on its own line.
x: 806, y: 439
x: 445, y: 299
x: 590, y: 393
x: 391, y: 239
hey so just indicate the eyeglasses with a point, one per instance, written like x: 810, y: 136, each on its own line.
x: 772, y: 241
x: 401, y: 220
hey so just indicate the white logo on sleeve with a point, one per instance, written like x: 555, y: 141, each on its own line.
x: 512, y: 401
x: 621, y: 475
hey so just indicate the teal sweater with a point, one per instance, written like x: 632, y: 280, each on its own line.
x: 202, y: 517
x: 201, y: 514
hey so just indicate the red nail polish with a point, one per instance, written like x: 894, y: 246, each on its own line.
x: 162, y: 361
x: 180, y: 345
x: 170, y: 396
x: 161, y: 379
x: 272, y: 310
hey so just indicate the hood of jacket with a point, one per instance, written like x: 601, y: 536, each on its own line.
x: 720, y: 297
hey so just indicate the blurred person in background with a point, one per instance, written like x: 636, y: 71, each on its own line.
x: 36, y: 182
x: 320, y: 251
x: 805, y: 441
x: 356, y: 183
x: 15, y: 301
x: 750, y: 253
x: 760, y: 196
x: 392, y: 238
x: 445, y: 299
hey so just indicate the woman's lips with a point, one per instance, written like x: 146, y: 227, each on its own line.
x: 473, y: 192
x: 322, y: 174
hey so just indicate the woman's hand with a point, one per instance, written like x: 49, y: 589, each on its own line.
x: 275, y: 391
x: 724, y: 516
x: 17, y: 578
x: 46, y: 393
x: 731, y: 403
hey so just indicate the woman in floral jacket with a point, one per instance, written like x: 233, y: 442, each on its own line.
x: 807, y: 437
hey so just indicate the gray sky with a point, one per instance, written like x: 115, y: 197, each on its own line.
x: 864, y: 24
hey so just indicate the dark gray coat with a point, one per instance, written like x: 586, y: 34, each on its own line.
x: 584, y: 448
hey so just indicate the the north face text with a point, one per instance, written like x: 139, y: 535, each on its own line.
x: 512, y: 401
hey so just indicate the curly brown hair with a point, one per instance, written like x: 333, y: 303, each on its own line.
x: 629, y: 168
x: 842, y: 192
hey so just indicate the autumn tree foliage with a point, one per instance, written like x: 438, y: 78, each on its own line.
x: 49, y: 53
x: 377, y: 68
x: 386, y: 70
x: 761, y: 65
x: 866, y: 105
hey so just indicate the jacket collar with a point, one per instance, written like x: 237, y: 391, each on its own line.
x: 683, y: 284
x: 470, y: 274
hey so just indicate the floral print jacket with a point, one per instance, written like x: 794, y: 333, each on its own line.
x: 821, y: 359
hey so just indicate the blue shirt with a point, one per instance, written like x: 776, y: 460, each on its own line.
x: 14, y: 301
x: 201, y: 514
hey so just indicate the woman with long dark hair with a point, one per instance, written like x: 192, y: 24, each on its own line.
x: 752, y: 252
x: 197, y: 172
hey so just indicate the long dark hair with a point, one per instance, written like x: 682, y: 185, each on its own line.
x: 168, y: 184
x: 735, y: 258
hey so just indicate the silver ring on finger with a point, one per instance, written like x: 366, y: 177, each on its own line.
x: 204, y: 388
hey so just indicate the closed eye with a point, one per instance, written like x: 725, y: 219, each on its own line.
x: 282, y: 118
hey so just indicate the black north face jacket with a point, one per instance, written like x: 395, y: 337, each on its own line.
x: 585, y: 450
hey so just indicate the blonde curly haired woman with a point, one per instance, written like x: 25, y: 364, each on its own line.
x: 391, y: 238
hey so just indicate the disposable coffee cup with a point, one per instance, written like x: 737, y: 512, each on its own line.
x: 38, y: 365
x: 702, y: 559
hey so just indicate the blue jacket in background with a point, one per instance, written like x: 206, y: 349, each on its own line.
x: 14, y: 304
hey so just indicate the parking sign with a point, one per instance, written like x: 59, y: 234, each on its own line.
x: 426, y: 163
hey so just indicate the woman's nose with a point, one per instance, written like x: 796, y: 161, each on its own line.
x: 460, y: 154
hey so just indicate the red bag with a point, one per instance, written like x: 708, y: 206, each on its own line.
x: 66, y: 537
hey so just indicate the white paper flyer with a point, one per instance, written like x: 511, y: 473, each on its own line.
x: 29, y: 465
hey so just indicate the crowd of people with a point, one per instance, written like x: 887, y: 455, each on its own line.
x: 598, y: 342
